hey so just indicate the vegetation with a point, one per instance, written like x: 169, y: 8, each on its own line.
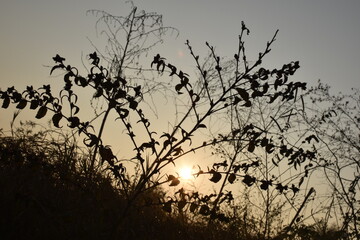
x: 257, y: 128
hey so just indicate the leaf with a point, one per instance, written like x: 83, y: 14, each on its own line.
x: 178, y: 87
x: 177, y: 151
x: 204, y: 210
x: 265, y: 184
x: 74, y: 122
x: 243, y: 94
x: 133, y: 104
x: 247, y: 104
x: 167, y: 206
x: 248, y: 180
x: 98, y: 93
x: 77, y: 109
x: 137, y: 91
x: 251, y: 146
x: 201, y: 125
x: 236, y: 100
x: 91, y: 141
x: 281, y: 188
x: 301, y: 181
x: 309, y: 138
x: 181, y: 204
x: 122, y: 112
x: 6, y: 102
x: 269, y: 148
x: 216, y: 176
x: 56, y: 119
x: 294, y: 189
x: 22, y: 104
x: 34, y: 104
x: 232, y: 178
x: 95, y: 58
x: 171, y: 177
x: 55, y: 67
x: 81, y: 81
x: 174, y: 182
x: 41, y: 112
x: 58, y: 59
x: 193, y: 207
x: 106, y: 154
x: 173, y: 69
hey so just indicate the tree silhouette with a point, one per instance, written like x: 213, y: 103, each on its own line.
x: 334, y: 121
x: 238, y: 90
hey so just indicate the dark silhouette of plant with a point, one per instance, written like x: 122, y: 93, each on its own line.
x: 335, y: 122
x: 46, y: 194
x: 217, y: 91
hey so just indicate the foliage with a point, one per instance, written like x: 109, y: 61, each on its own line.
x: 256, y: 140
x: 46, y: 194
x: 335, y: 121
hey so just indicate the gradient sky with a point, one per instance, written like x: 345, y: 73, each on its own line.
x: 324, y: 35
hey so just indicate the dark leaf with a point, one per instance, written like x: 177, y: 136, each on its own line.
x: 98, y: 92
x: 77, y: 109
x: 123, y: 112
x: 81, y: 81
x: 269, y: 148
x: 167, y: 207
x: 56, y: 119
x: 294, y: 189
x: 133, y: 104
x: 93, y: 56
x: 236, y: 100
x: 41, y: 112
x: 6, y: 102
x: 22, y: 104
x: 243, y: 94
x: 265, y: 184
x: 73, y: 122
x: 173, y: 69
x: 34, y: 104
x: 204, y: 210
x: 281, y: 188
x: 91, y: 141
x: 174, y: 182
x: 177, y: 151
x: 201, y: 125
x: 309, y: 138
x: 106, y: 154
x: 247, y: 104
x: 232, y: 178
x: 181, y: 204
x: 178, y: 87
x: 216, y: 176
x: 120, y: 94
x: 248, y: 180
x: 193, y: 207
x: 58, y: 59
x: 55, y: 67
x: 137, y: 90
x: 301, y: 181
x: 251, y: 146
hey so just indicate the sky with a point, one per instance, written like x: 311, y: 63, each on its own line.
x: 324, y: 35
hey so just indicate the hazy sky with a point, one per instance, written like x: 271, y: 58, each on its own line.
x: 324, y: 35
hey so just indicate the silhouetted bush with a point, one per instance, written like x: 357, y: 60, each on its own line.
x: 44, y: 195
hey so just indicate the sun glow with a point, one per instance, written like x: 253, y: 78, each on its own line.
x: 185, y: 173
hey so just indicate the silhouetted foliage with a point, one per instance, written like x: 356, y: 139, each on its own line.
x: 123, y: 198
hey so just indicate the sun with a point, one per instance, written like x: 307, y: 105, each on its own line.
x: 185, y: 173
